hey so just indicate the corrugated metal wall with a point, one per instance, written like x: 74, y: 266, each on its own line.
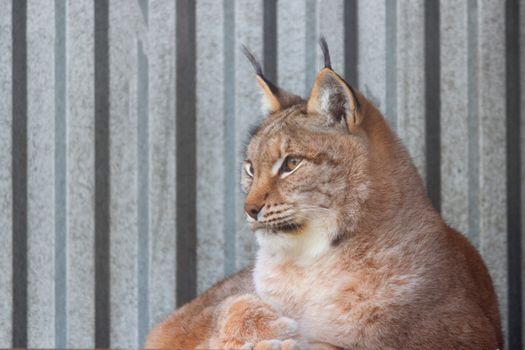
x: 122, y: 124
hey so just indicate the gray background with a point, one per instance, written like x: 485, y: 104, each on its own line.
x: 122, y: 124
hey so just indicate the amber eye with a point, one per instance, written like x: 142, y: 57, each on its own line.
x: 248, y: 167
x: 290, y: 163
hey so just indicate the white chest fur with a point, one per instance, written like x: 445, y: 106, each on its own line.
x: 306, y: 293
x: 296, y: 274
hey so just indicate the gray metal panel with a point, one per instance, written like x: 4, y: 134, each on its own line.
x: 522, y: 147
x: 330, y: 24
x: 125, y: 25
x: 492, y: 147
x: 291, y: 53
x: 410, y: 79
x: 40, y: 186
x: 162, y: 259
x: 248, y: 30
x: 186, y: 166
x: 454, y: 115
x: 6, y: 203
x: 371, y: 54
x: 513, y: 168
x: 80, y: 186
x: 210, y: 143
x: 60, y: 175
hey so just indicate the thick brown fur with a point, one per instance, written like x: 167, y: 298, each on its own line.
x: 352, y: 254
x: 193, y: 324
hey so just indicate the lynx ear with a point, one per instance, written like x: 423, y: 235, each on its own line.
x: 332, y: 96
x: 274, y: 99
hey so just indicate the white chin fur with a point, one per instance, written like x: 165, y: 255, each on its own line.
x: 302, y: 246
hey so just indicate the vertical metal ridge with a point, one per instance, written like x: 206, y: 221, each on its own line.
x: 186, y: 149
x: 102, y: 183
x: 514, y: 185
x: 143, y: 5
x: 6, y: 175
x: 19, y: 167
x: 311, y: 47
x: 270, y: 39
x: 60, y: 175
x: 230, y: 254
x: 211, y: 213
x: 296, y: 48
x: 432, y: 103
x: 143, y: 192
x: 473, y: 123
x: 351, y: 42
x: 391, y: 62
x: 161, y: 124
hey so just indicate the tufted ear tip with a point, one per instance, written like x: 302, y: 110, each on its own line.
x: 250, y: 56
x: 274, y: 98
x: 326, y: 53
x: 332, y: 96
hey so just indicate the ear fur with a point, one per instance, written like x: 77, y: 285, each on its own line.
x: 274, y: 99
x: 333, y: 97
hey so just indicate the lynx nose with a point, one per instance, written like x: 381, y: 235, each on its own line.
x: 252, y: 209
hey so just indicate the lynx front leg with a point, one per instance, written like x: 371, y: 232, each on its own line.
x: 274, y: 344
x: 247, y: 322
x: 288, y: 344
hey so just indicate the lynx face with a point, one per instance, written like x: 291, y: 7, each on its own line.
x: 304, y: 170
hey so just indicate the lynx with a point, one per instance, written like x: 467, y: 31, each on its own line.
x: 351, y: 252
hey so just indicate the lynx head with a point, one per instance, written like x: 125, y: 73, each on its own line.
x: 306, y: 165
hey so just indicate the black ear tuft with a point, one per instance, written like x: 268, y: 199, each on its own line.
x: 326, y: 53
x: 258, y: 69
x: 256, y: 65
